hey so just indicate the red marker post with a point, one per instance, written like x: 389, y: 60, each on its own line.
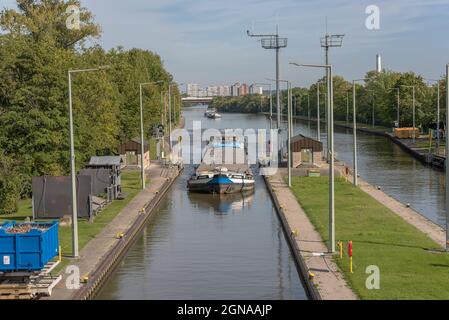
x: 350, y: 255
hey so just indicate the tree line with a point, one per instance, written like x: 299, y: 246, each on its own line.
x: 378, y: 91
x: 36, y: 52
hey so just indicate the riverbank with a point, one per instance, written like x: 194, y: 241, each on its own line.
x: 99, y: 256
x: 412, y: 263
x: 319, y: 272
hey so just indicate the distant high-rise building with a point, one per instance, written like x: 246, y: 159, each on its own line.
x: 235, y: 89
x: 255, y: 89
x: 224, y: 91
x: 212, y: 91
x: 193, y: 89
x: 243, y: 89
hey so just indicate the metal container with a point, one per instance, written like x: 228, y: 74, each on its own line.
x: 27, y: 246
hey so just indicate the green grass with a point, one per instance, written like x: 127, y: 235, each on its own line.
x: 381, y: 238
x: 86, y: 230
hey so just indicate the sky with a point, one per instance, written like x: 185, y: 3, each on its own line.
x: 205, y: 41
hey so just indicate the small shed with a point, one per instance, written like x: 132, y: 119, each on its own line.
x: 130, y: 153
x: 105, y: 173
x: 305, y: 150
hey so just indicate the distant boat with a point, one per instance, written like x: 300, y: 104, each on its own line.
x: 212, y: 114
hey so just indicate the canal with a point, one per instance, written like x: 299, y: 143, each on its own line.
x: 205, y: 247
x: 200, y: 246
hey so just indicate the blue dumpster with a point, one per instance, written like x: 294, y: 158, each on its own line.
x: 27, y: 246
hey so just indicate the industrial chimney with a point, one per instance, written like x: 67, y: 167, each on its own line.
x: 378, y: 63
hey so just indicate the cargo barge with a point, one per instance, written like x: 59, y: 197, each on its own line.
x: 218, y: 175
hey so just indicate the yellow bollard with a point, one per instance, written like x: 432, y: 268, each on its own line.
x: 350, y: 265
x: 60, y: 254
x: 340, y: 245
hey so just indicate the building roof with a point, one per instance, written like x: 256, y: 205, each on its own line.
x: 105, y: 161
x: 137, y: 140
x: 302, y: 137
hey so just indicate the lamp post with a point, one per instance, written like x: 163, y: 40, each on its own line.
x: 170, y: 85
x: 398, y: 103
x: 75, y: 250
x: 372, y: 108
x: 271, y: 101
x: 447, y: 157
x: 414, y: 123
x: 330, y: 113
x: 142, y: 139
x: 438, y: 113
x: 347, y: 107
x: 289, y: 134
x: 354, y: 132
x: 318, y: 120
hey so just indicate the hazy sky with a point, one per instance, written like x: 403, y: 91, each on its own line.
x: 205, y: 41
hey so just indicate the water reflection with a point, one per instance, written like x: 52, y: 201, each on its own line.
x: 222, y: 203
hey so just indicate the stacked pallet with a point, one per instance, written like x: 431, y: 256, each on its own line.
x: 406, y: 133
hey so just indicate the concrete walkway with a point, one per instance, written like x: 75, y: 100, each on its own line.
x: 96, y: 249
x: 328, y: 279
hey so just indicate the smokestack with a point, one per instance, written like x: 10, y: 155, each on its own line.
x: 378, y: 63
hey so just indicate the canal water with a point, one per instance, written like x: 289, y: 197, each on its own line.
x: 201, y: 246
x: 205, y: 247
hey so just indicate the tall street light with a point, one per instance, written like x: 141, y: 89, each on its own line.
x: 347, y: 107
x: 372, y: 107
x: 75, y: 250
x: 330, y: 113
x: 142, y: 139
x: 414, y: 124
x: 354, y: 132
x: 170, y: 85
x: 447, y: 157
x: 318, y: 116
x: 289, y: 134
x: 271, y: 101
x: 273, y: 41
x: 438, y: 113
x: 397, y: 107
x: 287, y: 83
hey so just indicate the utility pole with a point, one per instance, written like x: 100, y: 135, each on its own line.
x: 354, y: 135
x: 289, y: 136
x: 271, y: 100
x: 318, y: 120
x: 413, y: 105
x: 75, y: 246
x: 347, y: 107
x: 331, y: 153
x: 142, y: 138
x: 447, y: 157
